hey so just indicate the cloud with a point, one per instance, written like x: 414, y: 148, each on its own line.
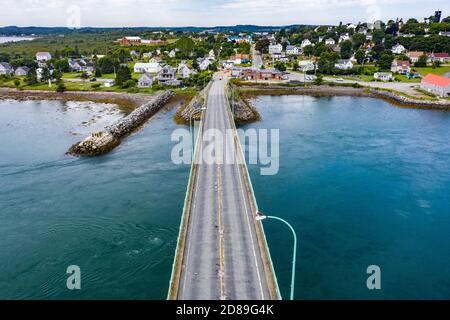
x: 126, y: 13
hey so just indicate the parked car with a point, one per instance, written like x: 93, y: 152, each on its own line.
x: 339, y: 80
x: 93, y: 80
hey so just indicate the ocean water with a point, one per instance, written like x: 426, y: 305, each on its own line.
x: 114, y: 216
x: 363, y: 183
x: 14, y: 39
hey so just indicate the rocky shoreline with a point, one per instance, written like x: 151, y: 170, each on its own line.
x: 127, y: 102
x: 248, y: 91
x: 110, y: 137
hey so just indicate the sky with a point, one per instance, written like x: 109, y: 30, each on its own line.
x: 205, y: 13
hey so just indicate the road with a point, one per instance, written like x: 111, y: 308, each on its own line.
x: 257, y: 59
x: 405, y: 87
x: 222, y: 258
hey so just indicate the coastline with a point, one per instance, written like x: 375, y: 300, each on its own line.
x: 248, y: 90
x: 127, y: 102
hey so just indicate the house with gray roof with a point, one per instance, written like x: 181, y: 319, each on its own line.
x: 6, y: 68
x: 22, y: 71
x: 145, y: 81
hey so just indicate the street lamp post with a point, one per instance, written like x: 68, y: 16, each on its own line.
x: 191, y: 114
x: 260, y: 216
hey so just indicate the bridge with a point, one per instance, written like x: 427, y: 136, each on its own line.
x: 222, y: 252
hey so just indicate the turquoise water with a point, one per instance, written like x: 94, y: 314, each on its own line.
x: 115, y: 216
x: 363, y: 183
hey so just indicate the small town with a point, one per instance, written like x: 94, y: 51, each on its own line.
x: 224, y: 158
x: 408, y: 57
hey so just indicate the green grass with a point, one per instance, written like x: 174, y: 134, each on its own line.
x: 439, y: 71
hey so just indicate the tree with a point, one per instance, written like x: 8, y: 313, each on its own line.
x: 389, y: 41
x: 62, y: 65
x: 358, y: 40
x: 123, y: 75
x: 61, y: 87
x: 263, y: 45
x: 422, y: 62
x: 378, y: 36
x: 319, y: 80
x: 17, y: 83
x: 280, y: 66
x: 346, y: 49
x: 57, y: 75
x: 107, y: 65
x: 436, y: 64
x: 360, y: 56
x: 31, y: 78
x: 327, y: 61
x: 98, y: 72
x: 320, y: 48
x: 308, y: 50
x: 385, y: 61
x: 185, y: 45
x: 84, y: 76
x: 45, y: 75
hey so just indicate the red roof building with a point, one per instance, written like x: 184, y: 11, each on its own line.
x: 436, y: 84
x: 441, y: 57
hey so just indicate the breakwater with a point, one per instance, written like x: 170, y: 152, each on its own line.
x: 104, y: 141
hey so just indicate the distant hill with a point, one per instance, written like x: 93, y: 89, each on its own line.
x: 15, y: 31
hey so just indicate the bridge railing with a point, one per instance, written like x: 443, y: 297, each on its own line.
x: 251, y: 190
x: 179, y: 252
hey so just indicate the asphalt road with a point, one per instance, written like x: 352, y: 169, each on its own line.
x: 257, y: 59
x: 222, y: 257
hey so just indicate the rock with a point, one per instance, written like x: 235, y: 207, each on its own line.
x: 104, y: 141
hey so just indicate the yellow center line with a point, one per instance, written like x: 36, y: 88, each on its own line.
x: 221, y: 248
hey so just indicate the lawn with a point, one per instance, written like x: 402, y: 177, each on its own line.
x: 439, y: 71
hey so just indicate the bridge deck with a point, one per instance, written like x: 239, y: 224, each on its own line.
x: 223, y: 254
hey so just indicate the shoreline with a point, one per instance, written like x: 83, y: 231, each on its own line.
x: 248, y: 91
x: 127, y: 102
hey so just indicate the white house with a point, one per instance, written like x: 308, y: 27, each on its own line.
x: 402, y: 67
x: 6, y: 68
x: 293, y: 50
x: 147, y: 67
x: 280, y: 57
x: 43, y: 56
x: 330, y: 42
x: 351, y: 26
x: 134, y: 54
x: 275, y: 48
x: 145, y: 81
x: 305, y: 43
x: 109, y: 83
x: 383, y: 76
x: 168, y: 76
x: 22, y: 71
x: 212, y: 54
x: 306, y: 65
x: 344, y: 64
x: 204, y: 64
x: 398, y: 49
x: 147, y: 55
x: 172, y: 54
x: 184, y: 71
x: 344, y: 37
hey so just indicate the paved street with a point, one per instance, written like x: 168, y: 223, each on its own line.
x: 222, y: 257
x: 405, y: 87
x: 257, y: 59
